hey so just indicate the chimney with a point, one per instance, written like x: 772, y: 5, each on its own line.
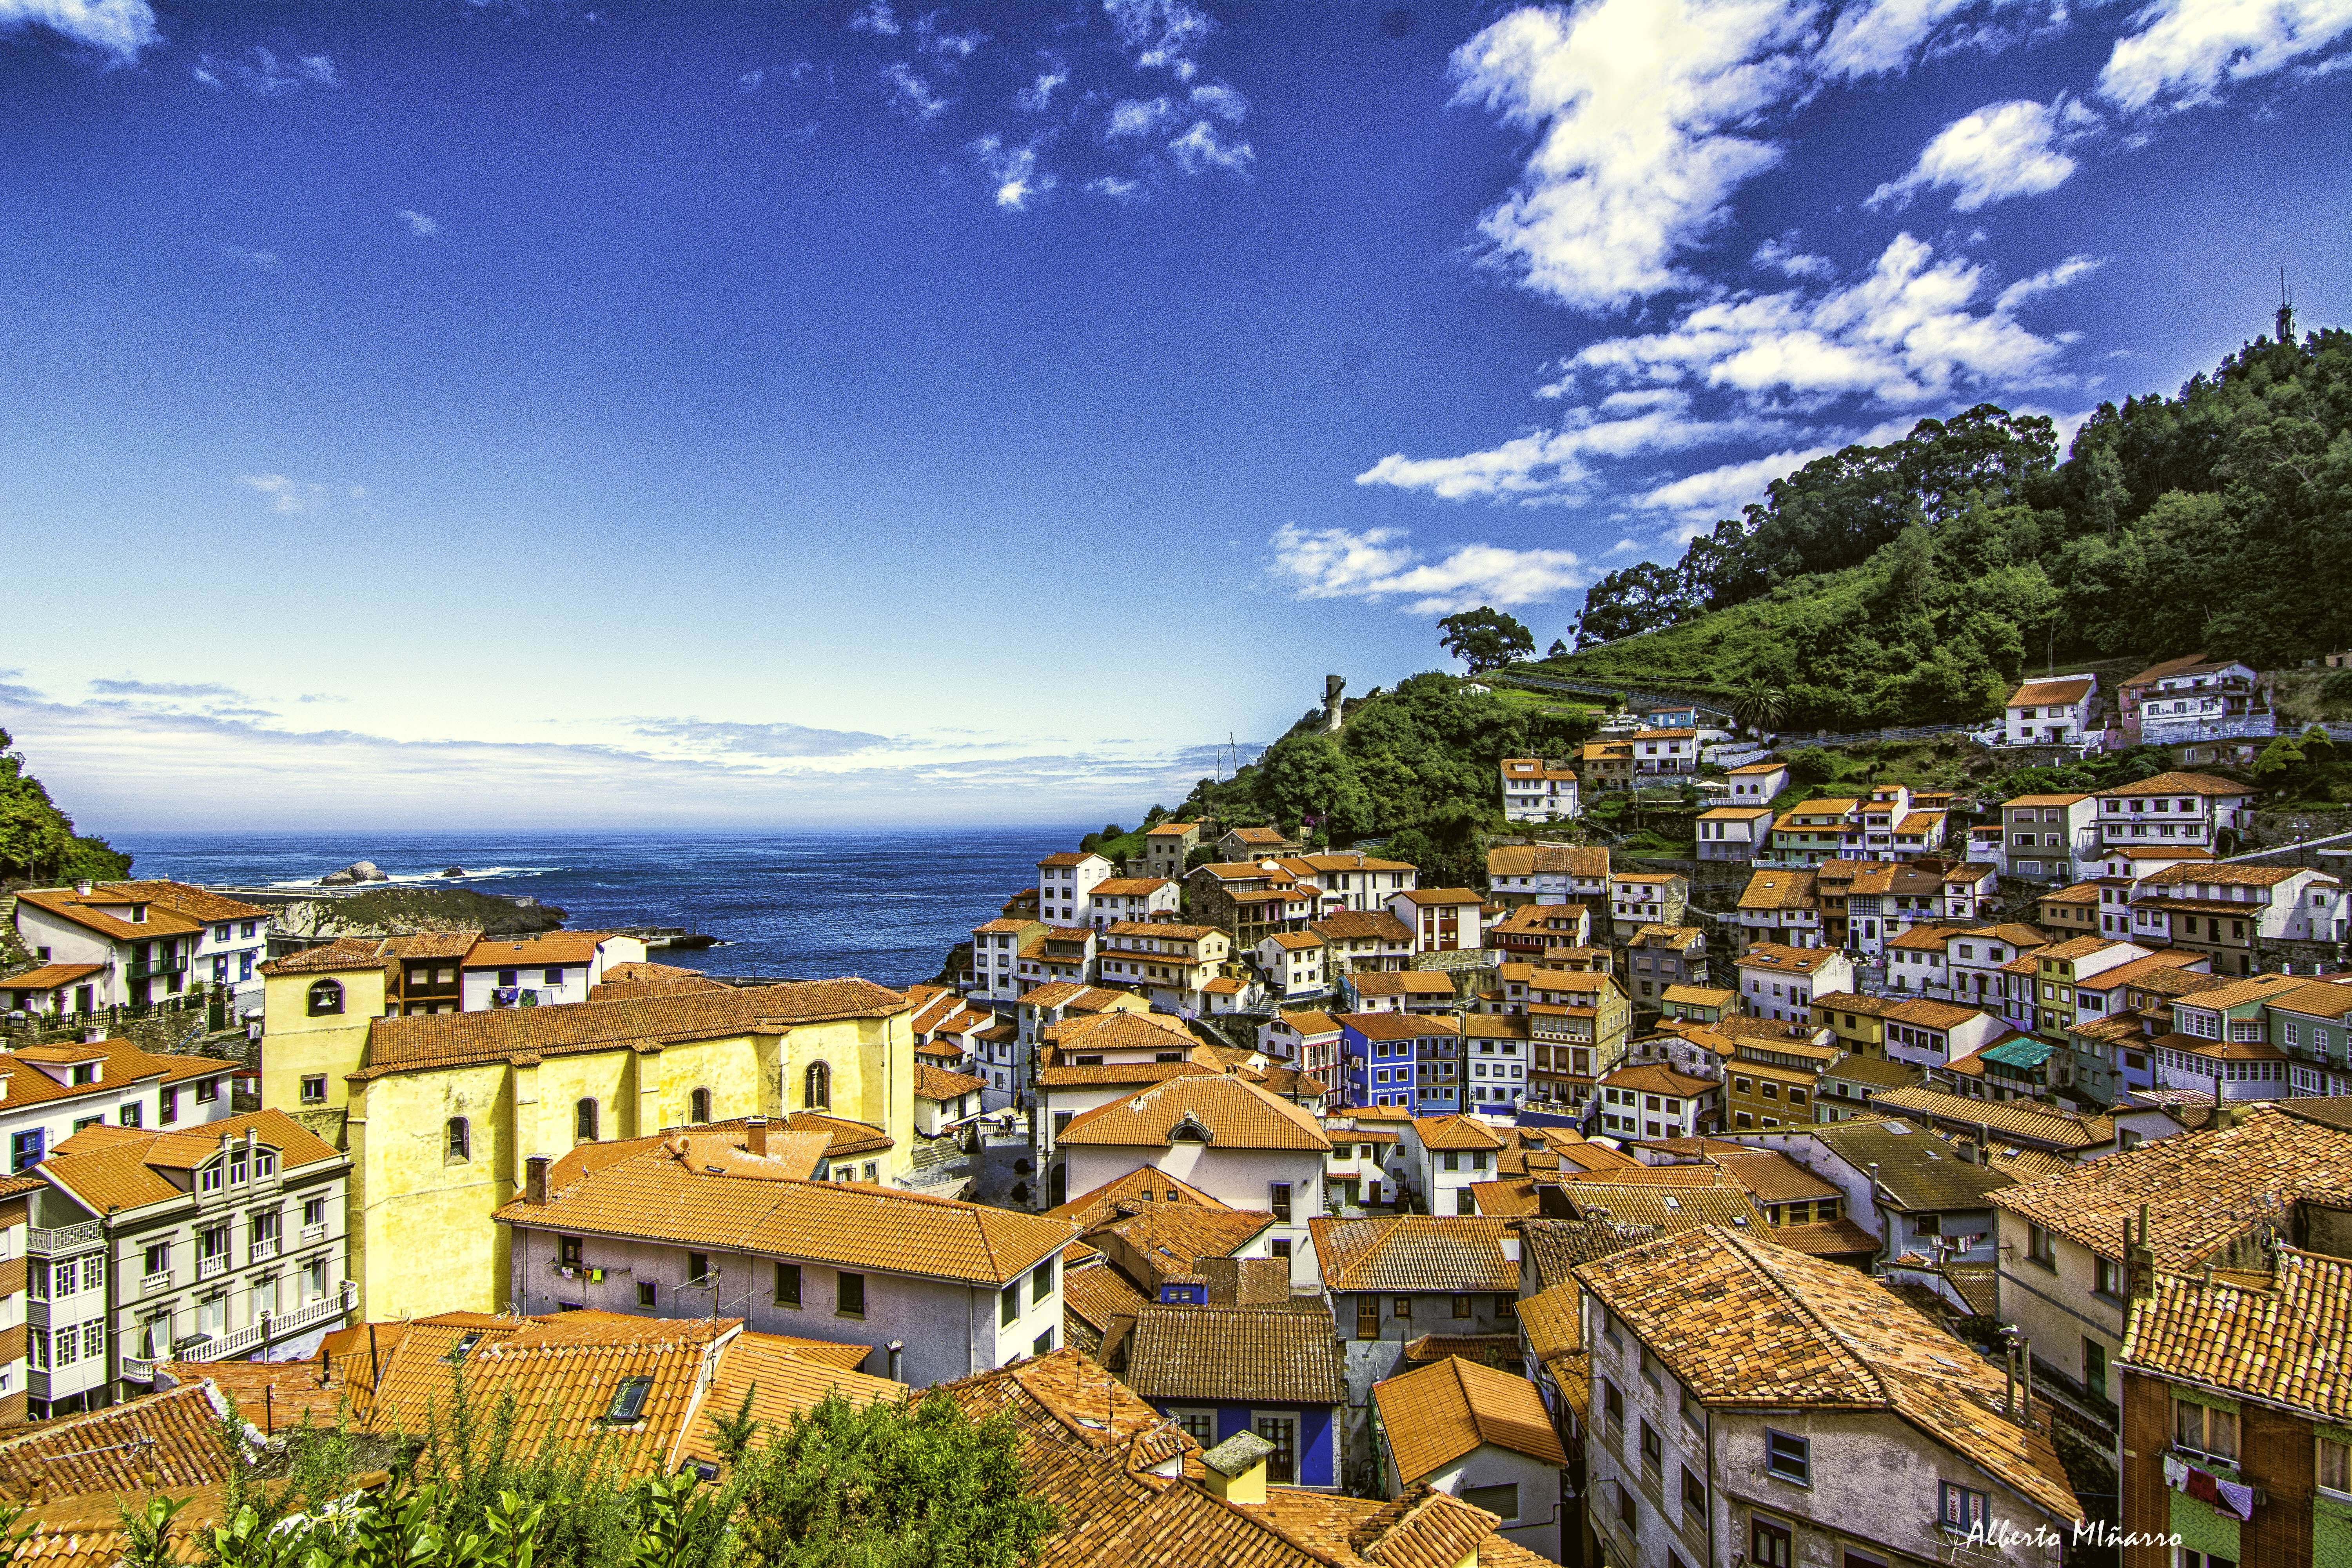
x: 898, y: 1349
x: 755, y: 1136
x: 82, y: 887
x: 1510, y: 1244
x: 534, y: 1179
x: 1236, y: 1468
x: 2139, y: 1259
x: 92, y: 1035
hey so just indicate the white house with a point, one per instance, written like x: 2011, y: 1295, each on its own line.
x: 2183, y: 809
x: 1928, y: 1034
x: 1350, y: 879
x: 1293, y: 966
x: 1064, y: 882
x: 1547, y: 874
x: 1445, y: 1156
x: 1443, y: 919
x: 1230, y: 1139
x: 229, y: 949
x: 1738, y: 833
x: 706, y: 1224
x: 1116, y: 899
x: 541, y: 971
x: 2051, y: 713
x: 126, y: 950
x: 1778, y: 983
x: 47, y: 1093
x: 1479, y: 1435
x: 1307, y: 1041
x: 1757, y: 784
x: 1665, y: 752
x: 1496, y: 1054
x: 1537, y: 790
x: 1653, y: 1100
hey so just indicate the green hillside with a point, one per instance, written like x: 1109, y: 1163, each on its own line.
x: 1915, y: 583
x: 38, y: 842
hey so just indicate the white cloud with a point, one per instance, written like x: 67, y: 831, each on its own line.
x: 1906, y: 332
x: 1635, y: 105
x: 1789, y: 259
x: 2013, y: 149
x: 112, y: 31
x: 2046, y: 281
x: 945, y: 46
x: 1555, y: 464
x: 287, y: 498
x: 1038, y: 96
x: 876, y: 18
x: 2184, y: 52
x: 910, y: 94
x: 1216, y: 97
x: 1721, y: 492
x: 751, y: 80
x: 267, y: 74
x: 268, y: 260
x: 1128, y: 193
x: 1374, y: 565
x: 1199, y: 148
x: 1882, y: 37
x: 419, y: 226
x: 1161, y: 35
x: 1015, y: 171
x: 1133, y: 118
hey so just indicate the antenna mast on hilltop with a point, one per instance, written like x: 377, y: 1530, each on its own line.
x: 2286, y: 310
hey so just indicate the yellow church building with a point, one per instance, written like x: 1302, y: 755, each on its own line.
x: 438, y: 1113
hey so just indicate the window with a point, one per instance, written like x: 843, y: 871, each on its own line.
x: 1368, y: 1317
x: 1282, y: 1431
x: 2335, y: 1468
x: 169, y: 1103
x: 1628, y: 1512
x: 314, y: 1210
x: 1788, y: 1457
x: 1008, y: 1304
x: 699, y: 1106
x: 207, y: 1091
x: 158, y: 1258
x: 1959, y: 1509
x: 1768, y: 1543
x: 1693, y: 1494
x: 208, y: 1180
x: 850, y: 1302
x: 1612, y: 1403
x: 1043, y: 1345
x: 629, y: 1400
x: 1503, y: 1502
x: 816, y: 1088
x: 2095, y: 1367
x: 2038, y: 1247
x: 567, y: 1251
x: 648, y: 1294
x: 1654, y: 1451
x: 326, y: 997
x: 461, y: 1139
x: 2204, y: 1430
x: 1200, y: 1426
x: 788, y: 1284
x: 584, y: 1120
x: 1400, y: 1307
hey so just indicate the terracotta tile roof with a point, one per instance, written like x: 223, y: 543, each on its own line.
x: 1436, y: 1413
x: 1421, y: 1528
x: 1120, y: 1030
x: 409, y: 1045
x: 1414, y: 1252
x: 2059, y: 799
x: 1745, y: 1324
x: 1234, y: 1114
x: 1401, y: 982
x: 342, y: 955
x: 115, y: 1171
x: 1826, y: 1238
x: 1556, y: 1246
x: 1069, y: 858
x: 459, y: 944
x: 2285, y: 1340
x: 2178, y: 784
x: 1097, y: 1292
x: 781, y: 1380
x: 51, y: 975
x: 1589, y: 861
x: 1236, y: 1355
x: 1455, y: 1133
x: 1787, y: 960
x: 2202, y: 1189
x: 562, y: 1393
x: 1171, y: 831
x: 653, y: 1196
x: 1510, y: 1197
x: 1128, y: 887
x: 1360, y: 925
x: 1175, y: 1237
x: 273, y: 1394
x: 1774, y: 1178
x: 1551, y: 1320
x: 1919, y: 1171
x: 934, y: 1084
x: 1655, y: 1077
x: 1778, y: 889
x: 1671, y: 1207
x: 2017, y: 1119
x: 2062, y: 693
x: 171, y: 1438
x: 180, y: 898
x: 93, y: 914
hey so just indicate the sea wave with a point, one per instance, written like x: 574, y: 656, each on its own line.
x: 485, y: 874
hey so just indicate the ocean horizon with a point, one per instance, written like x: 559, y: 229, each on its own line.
x: 812, y: 904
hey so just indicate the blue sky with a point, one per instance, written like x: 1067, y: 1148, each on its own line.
x: 449, y: 414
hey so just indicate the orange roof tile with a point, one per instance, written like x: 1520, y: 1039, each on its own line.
x: 1435, y: 1414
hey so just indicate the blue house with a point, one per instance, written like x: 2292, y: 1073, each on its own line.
x: 1410, y: 1061
x: 1269, y: 1370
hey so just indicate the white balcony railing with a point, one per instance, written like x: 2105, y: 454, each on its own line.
x: 267, y: 1330
x: 314, y: 1232
x: 206, y: 1268
x: 150, y: 1284
x: 66, y: 1238
x: 263, y: 1251
x: 138, y: 1369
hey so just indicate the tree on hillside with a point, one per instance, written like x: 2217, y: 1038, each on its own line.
x: 38, y: 842
x: 1485, y: 638
x: 1640, y: 598
x: 1760, y: 704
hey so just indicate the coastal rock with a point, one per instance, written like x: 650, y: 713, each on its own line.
x: 358, y: 871
x: 337, y: 880
x: 453, y: 871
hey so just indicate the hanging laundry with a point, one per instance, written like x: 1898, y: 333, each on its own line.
x: 2239, y: 1499
x: 2203, y: 1486
x: 2176, y: 1472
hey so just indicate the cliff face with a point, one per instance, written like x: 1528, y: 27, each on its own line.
x: 386, y: 911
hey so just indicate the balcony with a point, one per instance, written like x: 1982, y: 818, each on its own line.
x: 150, y: 1284
x: 243, y: 1341
x: 69, y: 1239
x: 212, y: 1266
x: 263, y: 1250
x: 149, y: 968
x: 310, y: 1233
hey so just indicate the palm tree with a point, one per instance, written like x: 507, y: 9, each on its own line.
x: 1759, y: 705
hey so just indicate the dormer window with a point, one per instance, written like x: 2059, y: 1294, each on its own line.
x: 208, y: 1179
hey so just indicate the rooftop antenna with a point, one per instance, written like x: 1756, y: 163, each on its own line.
x: 2286, y: 310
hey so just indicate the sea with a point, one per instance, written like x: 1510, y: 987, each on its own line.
x: 886, y: 905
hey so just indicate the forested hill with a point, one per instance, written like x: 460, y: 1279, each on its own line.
x: 1915, y: 582
x: 38, y: 842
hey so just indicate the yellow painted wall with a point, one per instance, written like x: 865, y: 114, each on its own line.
x: 422, y: 1237
x: 295, y: 1046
